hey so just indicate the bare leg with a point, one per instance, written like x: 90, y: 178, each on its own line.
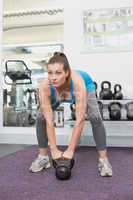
x: 43, y: 151
x: 102, y: 154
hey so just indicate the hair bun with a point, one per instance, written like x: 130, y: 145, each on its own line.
x: 57, y: 53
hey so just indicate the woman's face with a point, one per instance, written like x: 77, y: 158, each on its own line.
x: 56, y: 74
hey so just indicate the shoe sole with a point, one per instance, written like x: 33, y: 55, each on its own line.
x: 40, y: 169
x: 106, y: 175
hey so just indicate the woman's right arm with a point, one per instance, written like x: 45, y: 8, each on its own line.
x: 45, y: 105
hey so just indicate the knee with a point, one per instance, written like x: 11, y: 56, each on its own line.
x: 96, y: 119
x: 40, y: 118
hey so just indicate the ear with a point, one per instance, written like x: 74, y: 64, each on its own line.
x: 67, y: 74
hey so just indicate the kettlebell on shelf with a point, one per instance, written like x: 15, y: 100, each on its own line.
x: 129, y: 109
x: 105, y: 93
x: 115, y: 110
x: 117, y: 92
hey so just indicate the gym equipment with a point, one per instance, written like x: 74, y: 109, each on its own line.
x: 72, y: 107
x: 32, y: 98
x: 114, y: 110
x: 31, y: 120
x: 106, y: 92
x: 117, y: 92
x: 9, y: 116
x: 23, y: 118
x: 5, y: 93
x: 63, y: 168
x: 17, y: 73
x: 100, y: 104
x: 13, y: 118
x: 96, y: 88
x: 32, y: 104
x: 129, y: 109
x: 59, y: 117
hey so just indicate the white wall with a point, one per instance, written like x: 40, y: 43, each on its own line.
x: 115, y: 67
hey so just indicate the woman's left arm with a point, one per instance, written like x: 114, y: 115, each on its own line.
x: 81, y: 103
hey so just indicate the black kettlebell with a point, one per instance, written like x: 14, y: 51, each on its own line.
x: 100, y: 104
x: 129, y: 109
x: 63, y: 168
x: 106, y: 92
x: 31, y: 120
x: 117, y: 92
x: 95, y: 88
x: 114, y: 110
x: 73, y: 114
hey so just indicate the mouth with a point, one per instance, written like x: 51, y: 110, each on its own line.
x: 54, y: 83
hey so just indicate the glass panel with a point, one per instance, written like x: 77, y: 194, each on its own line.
x: 32, y: 32
x: 20, y: 84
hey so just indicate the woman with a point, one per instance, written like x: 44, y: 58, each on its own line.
x: 64, y: 84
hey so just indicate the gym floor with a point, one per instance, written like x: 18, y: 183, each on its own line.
x: 85, y: 184
x: 6, y: 149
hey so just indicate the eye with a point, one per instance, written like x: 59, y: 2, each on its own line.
x: 58, y: 72
x: 49, y: 73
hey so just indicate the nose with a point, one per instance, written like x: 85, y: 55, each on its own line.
x: 54, y: 77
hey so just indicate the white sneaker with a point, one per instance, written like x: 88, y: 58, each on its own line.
x: 105, y: 167
x: 39, y: 164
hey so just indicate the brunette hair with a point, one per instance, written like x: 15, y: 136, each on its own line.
x: 59, y: 57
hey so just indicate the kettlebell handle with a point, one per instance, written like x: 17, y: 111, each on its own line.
x: 56, y: 161
x: 100, y: 104
x: 114, y: 103
x: 117, y: 88
x: 105, y: 83
x: 72, y: 108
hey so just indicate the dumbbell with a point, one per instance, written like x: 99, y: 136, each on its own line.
x: 129, y: 109
x: 114, y: 110
x: 73, y: 114
x: 63, y: 168
x: 100, y: 104
x: 117, y: 92
x: 105, y: 92
x: 31, y: 120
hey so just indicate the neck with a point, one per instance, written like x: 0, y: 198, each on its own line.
x: 63, y: 87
